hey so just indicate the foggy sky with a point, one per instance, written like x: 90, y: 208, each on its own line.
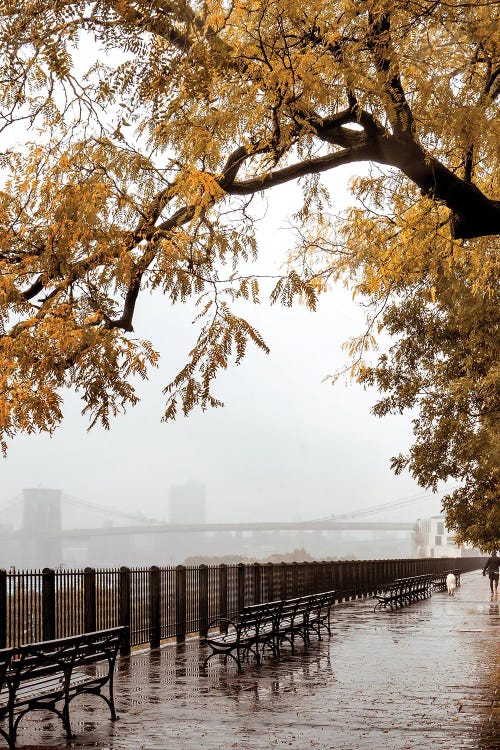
x: 286, y: 444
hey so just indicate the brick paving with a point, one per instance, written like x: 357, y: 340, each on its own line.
x: 426, y: 676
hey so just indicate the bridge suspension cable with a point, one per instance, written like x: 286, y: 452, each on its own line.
x: 392, y: 505
x: 78, y: 502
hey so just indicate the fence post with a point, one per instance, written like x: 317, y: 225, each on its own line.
x: 329, y: 576
x: 356, y: 579
x: 295, y: 580
x: 222, y: 594
x: 324, y: 571
x: 124, y: 608
x: 338, y: 580
x: 180, y: 603
x: 313, y: 577
x: 283, y: 581
x: 361, y: 579
x: 155, y: 606
x: 203, y: 600
x: 374, y: 573
x: 270, y: 581
x: 379, y: 573
x: 347, y: 579
x: 257, y: 576
x: 48, y: 604
x: 358, y: 571
x: 316, y: 577
x: 352, y: 578
x: 241, y: 586
x: 3, y: 608
x: 304, y: 578
x: 89, y: 601
x: 370, y: 569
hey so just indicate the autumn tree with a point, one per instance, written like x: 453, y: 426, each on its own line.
x: 134, y: 135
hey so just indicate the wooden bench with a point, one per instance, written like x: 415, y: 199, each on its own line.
x: 269, y: 625
x: 403, y: 591
x: 439, y: 580
x: 49, y: 674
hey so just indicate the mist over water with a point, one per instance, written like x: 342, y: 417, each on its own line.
x: 286, y: 446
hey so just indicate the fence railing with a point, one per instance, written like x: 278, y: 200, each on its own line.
x: 171, y: 602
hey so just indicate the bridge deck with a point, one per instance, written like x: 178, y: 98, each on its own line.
x: 421, y: 677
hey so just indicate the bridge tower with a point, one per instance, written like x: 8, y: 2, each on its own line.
x: 41, y: 527
x: 42, y: 511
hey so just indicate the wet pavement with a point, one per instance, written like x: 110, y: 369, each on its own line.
x: 426, y: 676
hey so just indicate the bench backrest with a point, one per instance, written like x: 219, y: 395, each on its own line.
x: 99, y: 646
x: 258, y: 616
x: 295, y: 610
x: 39, y: 661
x: 262, y: 609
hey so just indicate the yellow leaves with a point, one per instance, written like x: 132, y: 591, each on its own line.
x: 215, y: 18
x: 291, y: 286
x: 224, y: 335
x: 64, y: 162
x: 207, y: 185
x: 95, y: 211
x: 318, y: 284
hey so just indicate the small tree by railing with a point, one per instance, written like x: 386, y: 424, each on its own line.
x: 159, y: 603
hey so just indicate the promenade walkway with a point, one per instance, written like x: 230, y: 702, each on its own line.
x: 426, y: 676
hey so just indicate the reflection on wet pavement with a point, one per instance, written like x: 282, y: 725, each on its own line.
x: 421, y: 677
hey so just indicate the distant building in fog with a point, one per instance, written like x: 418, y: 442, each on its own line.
x: 433, y: 539
x: 188, y: 503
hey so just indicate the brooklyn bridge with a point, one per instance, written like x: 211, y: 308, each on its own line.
x: 49, y: 525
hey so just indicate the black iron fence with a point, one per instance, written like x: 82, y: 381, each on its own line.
x: 172, y: 602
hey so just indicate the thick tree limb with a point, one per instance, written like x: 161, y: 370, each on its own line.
x: 308, y: 166
x: 473, y: 214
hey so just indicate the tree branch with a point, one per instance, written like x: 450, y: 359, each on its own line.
x: 379, y: 42
x: 308, y: 166
x: 473, y: 214
x: 34, y: 289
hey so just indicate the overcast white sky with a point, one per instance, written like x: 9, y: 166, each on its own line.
x: 286, y: 444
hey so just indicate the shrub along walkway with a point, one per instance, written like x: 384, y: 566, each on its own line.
x: 420, y: 677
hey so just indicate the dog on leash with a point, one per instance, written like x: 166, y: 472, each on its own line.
x: 451, y: 584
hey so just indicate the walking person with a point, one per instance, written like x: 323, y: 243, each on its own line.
x: 492, y: 566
